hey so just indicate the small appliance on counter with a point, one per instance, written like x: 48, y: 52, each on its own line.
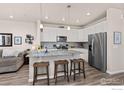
x: 60, y: 46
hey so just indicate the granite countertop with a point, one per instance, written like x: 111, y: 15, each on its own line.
x: 53, y: 53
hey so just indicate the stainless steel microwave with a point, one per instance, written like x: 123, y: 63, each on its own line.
x: 61, y: 38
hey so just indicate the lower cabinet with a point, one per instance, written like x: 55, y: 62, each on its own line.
x: 84, y: 53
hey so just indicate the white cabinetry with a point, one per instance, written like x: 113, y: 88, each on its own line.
x: 84, y: 53
x: 83, y: 34
x: 48, y: 35
x: 96, y: 28
x: 73, y: 36
x: 61, y: 32
x: 80, y: 35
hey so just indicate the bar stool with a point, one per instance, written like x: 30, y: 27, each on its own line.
x: 65, y: 69
x: 38, y: 65
x: 74, y: 69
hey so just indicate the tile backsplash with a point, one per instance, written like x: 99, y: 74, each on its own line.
x: 50, y: 45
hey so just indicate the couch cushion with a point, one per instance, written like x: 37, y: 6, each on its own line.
x: 9, y: 52
x: 8, y: 61
x: 8, y: 56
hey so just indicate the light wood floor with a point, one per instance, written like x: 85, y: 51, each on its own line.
x: 93, y: 77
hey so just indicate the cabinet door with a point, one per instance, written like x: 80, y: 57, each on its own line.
x: 73, y: 36
x: 48, y: 35
x: 97, y: 28
x: 86, y: 33
x: 81, y: 34
x: 62, y: 32
x: 100, y: 27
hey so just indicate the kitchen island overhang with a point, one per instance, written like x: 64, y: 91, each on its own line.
x: 51, y: 56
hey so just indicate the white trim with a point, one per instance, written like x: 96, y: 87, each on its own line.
x: 115, y: 72
x: 95, y: 22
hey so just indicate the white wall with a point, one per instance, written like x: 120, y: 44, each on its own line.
x: 115, y: 57
x: 18, y: 28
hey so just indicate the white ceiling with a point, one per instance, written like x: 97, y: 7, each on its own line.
x: 55, y: 12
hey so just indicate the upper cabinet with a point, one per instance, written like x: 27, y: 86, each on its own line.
x: 96, y: 28
x: 50, y: 34
x: 73, y: 36
x: 81, y: 35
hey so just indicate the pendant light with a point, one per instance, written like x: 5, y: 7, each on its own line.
x: 41, y: 25
x: 68, y: 28
x: 68, y: 7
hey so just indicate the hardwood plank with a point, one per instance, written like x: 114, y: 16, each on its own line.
x: 93, y: 77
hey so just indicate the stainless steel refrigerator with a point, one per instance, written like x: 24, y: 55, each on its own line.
x: 97, y: 56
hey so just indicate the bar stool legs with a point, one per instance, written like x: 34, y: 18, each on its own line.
x: 39, y: 65
x: 67, y: 72
x: 63, y: 63
x: 78, y: 62
x: 47, y: 69
x: 34, y: 76
x: 71, y: 68
x: 84, y: 70
x: 74, y: 71
x: 79, y: 68
x: 55, y: 73
x: 64, y: 71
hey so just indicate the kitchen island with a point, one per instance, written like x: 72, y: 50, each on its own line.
x: 51, y: 56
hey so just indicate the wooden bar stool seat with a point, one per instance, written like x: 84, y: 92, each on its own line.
x: 65, y: 69
x: 41, y: 65
x: 73, y: 69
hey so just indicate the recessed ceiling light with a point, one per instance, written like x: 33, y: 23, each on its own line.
x: 63, y: 19
x: 88, y: 13
x: 11, y: 17
x: 77, y: 20
x: 46, y: 17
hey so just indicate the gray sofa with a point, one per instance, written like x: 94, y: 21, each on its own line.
x: 11, y: 64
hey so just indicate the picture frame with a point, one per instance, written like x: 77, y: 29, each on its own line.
x: 117, y: 37
x: 6, y: 39
x: 17, y: 40
x: 29, y: 39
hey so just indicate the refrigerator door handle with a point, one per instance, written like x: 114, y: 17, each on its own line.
x: 92, y: 46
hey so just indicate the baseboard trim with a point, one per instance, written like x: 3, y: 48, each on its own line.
x: 115, y: 72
